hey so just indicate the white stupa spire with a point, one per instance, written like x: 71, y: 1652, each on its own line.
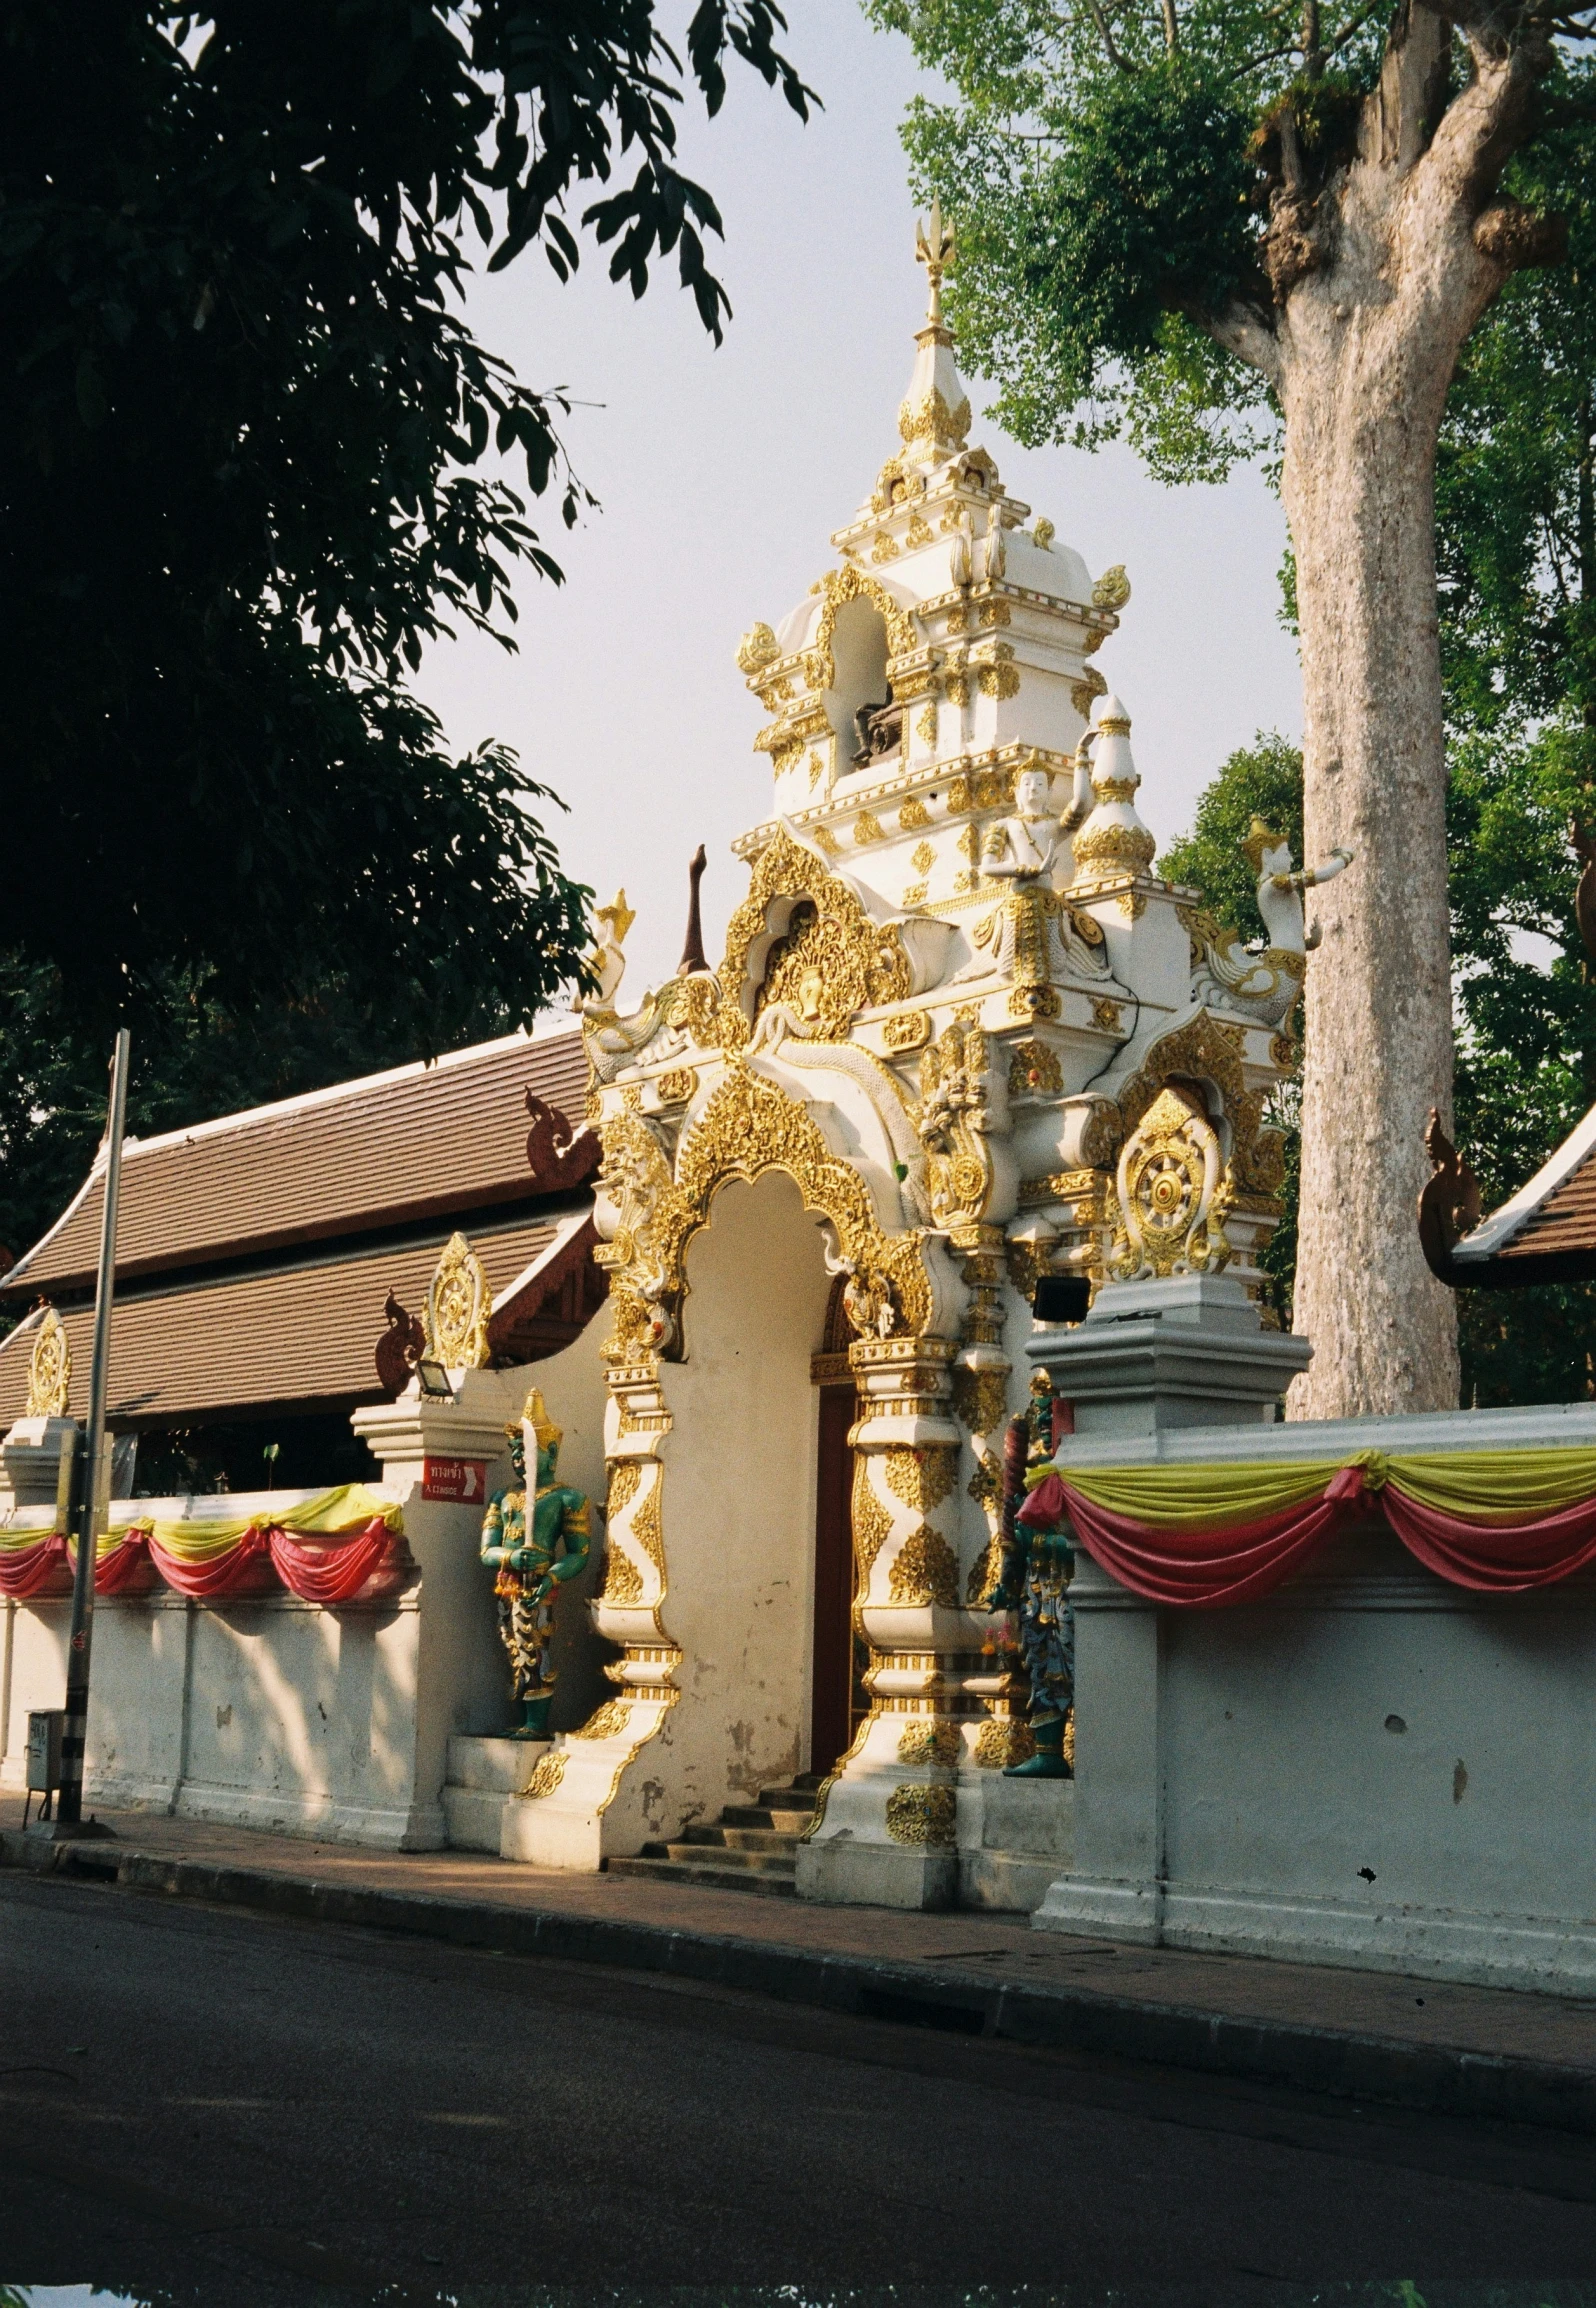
x: 934, y: 420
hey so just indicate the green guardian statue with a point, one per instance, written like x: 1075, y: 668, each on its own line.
x: 534, y: 1547
x: 1038, y: 1563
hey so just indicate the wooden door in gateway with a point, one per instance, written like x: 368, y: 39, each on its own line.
x: 831, y: 1711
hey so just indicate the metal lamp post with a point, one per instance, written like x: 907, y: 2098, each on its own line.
x: 87, y: 1480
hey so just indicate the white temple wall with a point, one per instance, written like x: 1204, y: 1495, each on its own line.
x: 269, y: 1712
x: 739, y: 1515
x: 1371, y: 1767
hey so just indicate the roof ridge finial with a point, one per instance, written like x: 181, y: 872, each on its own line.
x: 934, y: 246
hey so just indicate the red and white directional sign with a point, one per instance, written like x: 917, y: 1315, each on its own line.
x: 459, y: 1482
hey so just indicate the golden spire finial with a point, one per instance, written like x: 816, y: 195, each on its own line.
x: 933, y: 245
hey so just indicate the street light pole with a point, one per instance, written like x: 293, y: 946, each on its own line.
x: 88, y: 1473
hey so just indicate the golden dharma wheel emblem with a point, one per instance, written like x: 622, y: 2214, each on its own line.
x: 458, y: 1305
x: 49, y: 1370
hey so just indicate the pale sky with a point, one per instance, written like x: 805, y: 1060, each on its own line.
x: 721, y: 475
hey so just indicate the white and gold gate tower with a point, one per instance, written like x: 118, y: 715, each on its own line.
x: 984, y: 1043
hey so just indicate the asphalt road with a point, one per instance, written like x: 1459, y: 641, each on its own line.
x: 234, y: 2112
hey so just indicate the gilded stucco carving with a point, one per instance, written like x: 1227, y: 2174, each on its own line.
x: 547, y: 1773
x: 920, y: 1814
x: 458, y: 1305
x: 1171, y: 1194
x: 872, y: 1524
x: 861, y: 963
x: 925, y: 1570
x: 921, y: 1478
x: 749, y: 1127
x: 929, y: 1742
x: 609, y: 1722
x: 851, y: 584
x: 1207, y: 1050
x: 1035, y: 1071
x: 49, y: 1369
x: 954, y: 1122
x: 979, y: 1398
x: 1002, y: 1741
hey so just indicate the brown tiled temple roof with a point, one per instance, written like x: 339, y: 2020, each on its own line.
x: 419, y: 1143
x: 302, y: 1335
x: 1547, y: 1232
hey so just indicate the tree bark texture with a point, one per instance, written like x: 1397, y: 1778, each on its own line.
x: 1358, y: 483
x: 1377, y: 278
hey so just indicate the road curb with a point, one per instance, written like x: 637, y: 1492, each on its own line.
x: 1435, y: 2078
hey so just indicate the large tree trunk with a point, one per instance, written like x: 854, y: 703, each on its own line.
x: 1358, y: 480
x: 1377, y: 278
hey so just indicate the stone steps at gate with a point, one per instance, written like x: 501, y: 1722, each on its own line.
x: 751, y: 1847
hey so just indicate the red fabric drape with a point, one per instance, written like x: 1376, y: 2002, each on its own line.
x: 1238, y: 1562
x: 1497, y: 1558
x: 1207, y: 1570
x: 125, y: 1569
x: 244, y: 1570
x: 369, y: 1562
x: 42, y: 1569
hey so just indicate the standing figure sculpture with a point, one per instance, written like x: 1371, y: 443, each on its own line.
x: 1038, y: 1562
x: 520, y: 1539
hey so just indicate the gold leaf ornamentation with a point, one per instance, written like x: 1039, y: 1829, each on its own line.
x: 872, y: 1524
x: 978, y: 1399
x: 1034, y: 1071
x: 884, y: 548
x: 458, y: 1302
x: 49, y: 1369
x: 925, y: 1570
x: 922, y: 857
x: 610, y: 1721
x: 623, y: 1581
x: 919, y: 532
x: 866, y: 828
x: 927, y: 1741
x: 987, y: 1568
x: 1000, y: 1743
x: 757, y: 649
x: 1083, y: 692
x: 994, y: 613
x: 913, y: 816
x: 850, y: 584
x: 922, y: 1478
x: 907, y: 1030
x: 1106, y: 1016
x: 862, y: 963
x: 1112, y: 589
x: 926, y: 725
x: 547, y: 1773
x: 676, y: 1087
x: 925, y: 1815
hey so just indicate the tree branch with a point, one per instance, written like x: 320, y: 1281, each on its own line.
x: 1243, y: 330
x: 1120, y: 63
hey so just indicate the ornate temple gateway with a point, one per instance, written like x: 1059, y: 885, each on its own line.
x: 962, y: 1039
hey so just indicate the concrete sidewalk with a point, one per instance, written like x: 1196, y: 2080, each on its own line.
x: 1471, y: 2051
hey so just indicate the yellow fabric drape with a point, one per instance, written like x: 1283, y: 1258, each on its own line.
x: 348, y: 1507
x: 1483, y: 1486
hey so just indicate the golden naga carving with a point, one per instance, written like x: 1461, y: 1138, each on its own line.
x: 549, y: 1771
x: 853, y: 962
x: 49, y: 1370
x: 458, y: 1305
x: 1112, y: 589
x: 953, y: 1121
x: 1173, y: 1194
